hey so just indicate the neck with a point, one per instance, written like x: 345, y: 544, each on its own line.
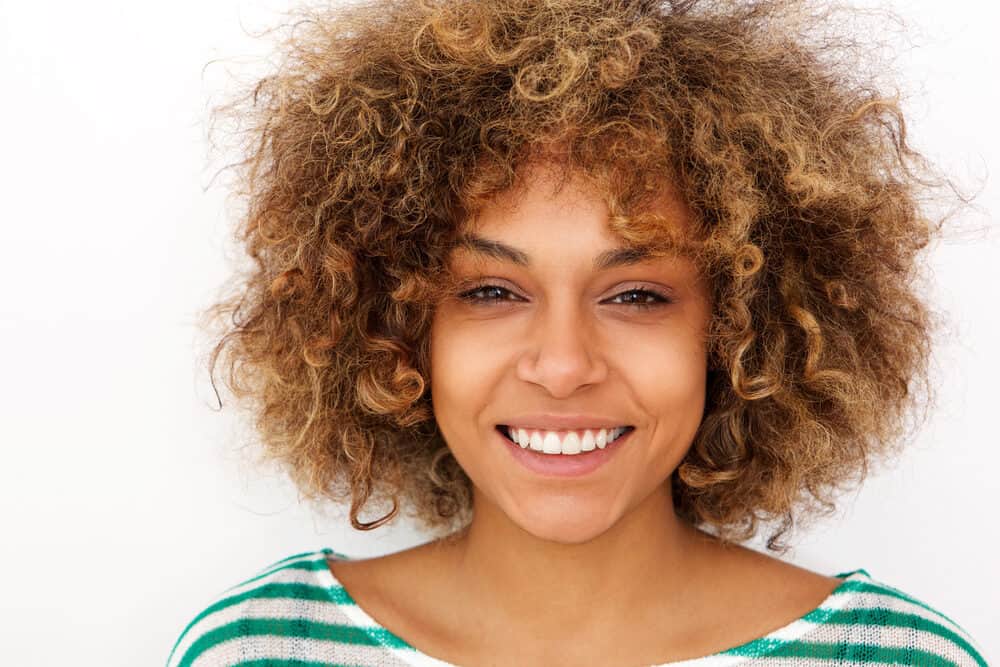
x: 646, y: 560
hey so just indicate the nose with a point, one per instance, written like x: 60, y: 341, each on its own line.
x: 563, y: 352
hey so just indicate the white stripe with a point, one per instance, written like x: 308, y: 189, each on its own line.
x: 872, y: 600
x: 292, y: 648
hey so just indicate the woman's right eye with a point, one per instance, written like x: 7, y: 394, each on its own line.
x: 474, y: 297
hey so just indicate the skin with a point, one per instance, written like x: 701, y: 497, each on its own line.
x: 589, y: 570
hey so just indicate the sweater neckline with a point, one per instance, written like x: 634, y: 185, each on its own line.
x: 753, y: 649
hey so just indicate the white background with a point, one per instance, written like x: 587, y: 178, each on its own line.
x: 126, y: 504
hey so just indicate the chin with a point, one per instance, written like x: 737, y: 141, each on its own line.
x: 562, y: 523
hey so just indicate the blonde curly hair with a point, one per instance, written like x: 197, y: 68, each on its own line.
x: 387, y: 123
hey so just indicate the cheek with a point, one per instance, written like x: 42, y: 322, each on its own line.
x: 458, y: 358
x: 462, y: 372
x: 667, y: 373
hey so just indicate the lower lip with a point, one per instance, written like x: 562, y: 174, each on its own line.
x: 563, y: 465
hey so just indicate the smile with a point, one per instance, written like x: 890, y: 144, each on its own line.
x: 557, y: 464
x: 563, y: 442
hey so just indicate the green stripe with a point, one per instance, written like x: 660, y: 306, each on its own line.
x: 291, y: 558
x: 300, y: 628
x: 873, y: 587
x: 274, y: 567
x: 312, y: 565
x: 851, y: 573
x: 860, y: 586
x: 854, y: 653
x: 327, y: 551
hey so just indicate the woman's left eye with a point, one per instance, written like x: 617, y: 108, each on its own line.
x: 646, y: 298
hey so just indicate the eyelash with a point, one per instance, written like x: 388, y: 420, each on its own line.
x: 663, y: 299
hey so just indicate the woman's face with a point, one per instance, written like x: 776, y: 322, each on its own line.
x: 553, y: 335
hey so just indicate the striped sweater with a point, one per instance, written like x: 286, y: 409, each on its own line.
x: 294, y: 613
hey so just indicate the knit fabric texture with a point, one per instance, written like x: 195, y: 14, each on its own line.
x: 295, y: 613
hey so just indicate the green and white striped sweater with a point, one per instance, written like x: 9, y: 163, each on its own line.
x: 295, y: 613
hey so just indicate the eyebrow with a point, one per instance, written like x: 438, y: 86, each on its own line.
x: 501, y: 251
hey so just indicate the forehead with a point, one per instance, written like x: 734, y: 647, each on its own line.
x: 545, y: 216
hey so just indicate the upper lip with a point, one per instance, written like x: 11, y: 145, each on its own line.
x: 556, y: 422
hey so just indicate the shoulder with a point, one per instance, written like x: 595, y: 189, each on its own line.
x: 853, y: 616
x: 290, y: 609
x: 873, y: 620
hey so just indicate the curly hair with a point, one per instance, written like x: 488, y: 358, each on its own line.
x: 388, y: 123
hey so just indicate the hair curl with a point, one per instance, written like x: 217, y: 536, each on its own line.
x: 388, y: 123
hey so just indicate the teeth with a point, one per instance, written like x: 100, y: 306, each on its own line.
x: 549, y: 442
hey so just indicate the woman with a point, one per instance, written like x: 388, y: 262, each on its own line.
x: 591, y: 288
